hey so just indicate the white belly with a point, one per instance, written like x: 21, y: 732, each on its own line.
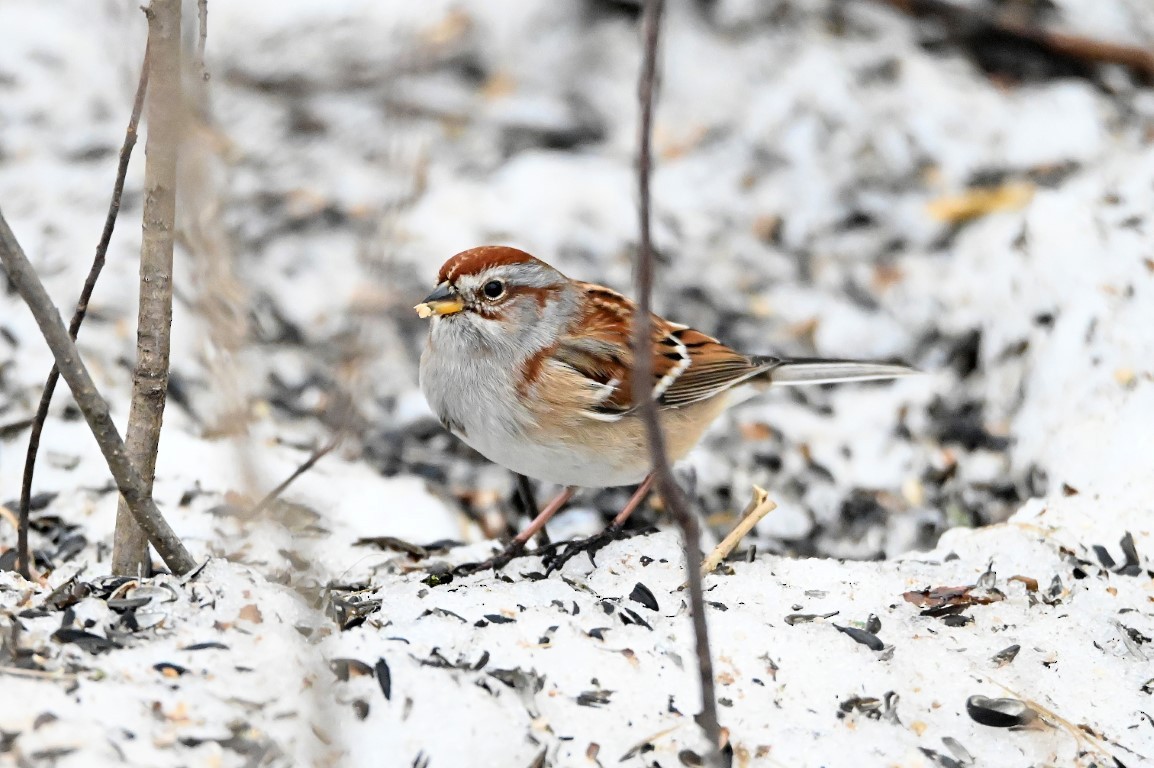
x: 479, y: 404
x: 559, y: 464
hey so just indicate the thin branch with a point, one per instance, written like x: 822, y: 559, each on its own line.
x: 1077, y: 47
x: 24, y: 279
x: 759, y: 506
x: 166, y: 109
x: 201, y: 38
x: 643, y: 374
x: 22, y: 554
x: 36, y: 674
x: 275, y: 493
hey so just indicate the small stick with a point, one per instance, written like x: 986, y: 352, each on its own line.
x: 10, y: 516
x: 202, y: 38
x: 1090, y: 739
x: 272, y: 495
x: 22, y: 557
x: 1077, y: 47
x: 24, y: 279
x: 1140, y: 60
x: 36, y: 674
x: 759, y: 506
x: 643, y: 384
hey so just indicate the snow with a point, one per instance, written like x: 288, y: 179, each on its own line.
x: 352, y: 147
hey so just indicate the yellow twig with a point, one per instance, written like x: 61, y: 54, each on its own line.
x: 1089, y: 741
x: 759, y: 506
x: 8, y: 515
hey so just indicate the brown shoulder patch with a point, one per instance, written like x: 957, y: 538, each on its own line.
x: 532, y: 369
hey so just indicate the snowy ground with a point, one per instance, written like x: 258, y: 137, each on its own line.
x: 815, y: 160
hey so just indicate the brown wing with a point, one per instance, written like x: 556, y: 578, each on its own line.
x: 712, y: 369
x: 688, y: 366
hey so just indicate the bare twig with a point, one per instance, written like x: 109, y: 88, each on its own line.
x: 1077, y: 47
x: 36, y: 674
x: 1140, y: 60
x: 759, y: 506
x: 308, y: 463
x: 23, y: 559
x: 154, y: 320
x: 201, y: 38
x: 643, y: 374
x: 22, y: 276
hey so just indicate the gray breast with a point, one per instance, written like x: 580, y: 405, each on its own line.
x: 471, y: 393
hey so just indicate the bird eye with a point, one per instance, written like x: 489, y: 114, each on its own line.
x: 493, y: 289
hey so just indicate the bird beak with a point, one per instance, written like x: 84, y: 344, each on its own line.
x: 443, y: 301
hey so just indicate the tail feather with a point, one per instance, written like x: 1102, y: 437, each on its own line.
x: 818, y: 371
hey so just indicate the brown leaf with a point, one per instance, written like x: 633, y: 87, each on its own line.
x: 250, y: 613
x: 755, y: 430
x: 1031, y: 584
x: 936, y: 597
x: 940, y: 597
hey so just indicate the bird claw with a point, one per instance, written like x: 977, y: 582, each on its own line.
x: 553, y: 556
x: 563, y: 552
x: 496, y: 562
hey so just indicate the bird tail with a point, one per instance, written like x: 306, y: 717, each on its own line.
x: 819, y: 371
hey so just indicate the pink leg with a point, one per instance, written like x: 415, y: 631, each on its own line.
x: 517, y: 545
x: 543, y: 517
x: 554, y: 561
x: 634, y: 502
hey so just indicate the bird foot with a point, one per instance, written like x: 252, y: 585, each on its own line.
x: 555, y: 556
x: 496, y: 562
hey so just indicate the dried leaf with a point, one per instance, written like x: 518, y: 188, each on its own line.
x: 980, y: 201
x: 250, y: 613
x: 1031, y: 584
x: 941, y: 597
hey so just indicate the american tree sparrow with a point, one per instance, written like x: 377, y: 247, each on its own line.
x: 532, y: 369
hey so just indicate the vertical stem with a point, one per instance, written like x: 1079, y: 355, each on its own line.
x: 154, y: 322
x: 201, y: 39
x: 24, y: 559
x: 94, y: 407
x: 643, y: 385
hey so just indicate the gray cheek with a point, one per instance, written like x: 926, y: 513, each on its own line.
x: 533, y: 327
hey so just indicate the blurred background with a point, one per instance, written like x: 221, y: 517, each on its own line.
x: 832, y: 178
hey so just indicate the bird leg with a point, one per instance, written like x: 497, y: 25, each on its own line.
x: 545, y: 515
x: 554, y: 560
x: 517, y: 545
x: 529, y: 502
x: 634, y: 502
